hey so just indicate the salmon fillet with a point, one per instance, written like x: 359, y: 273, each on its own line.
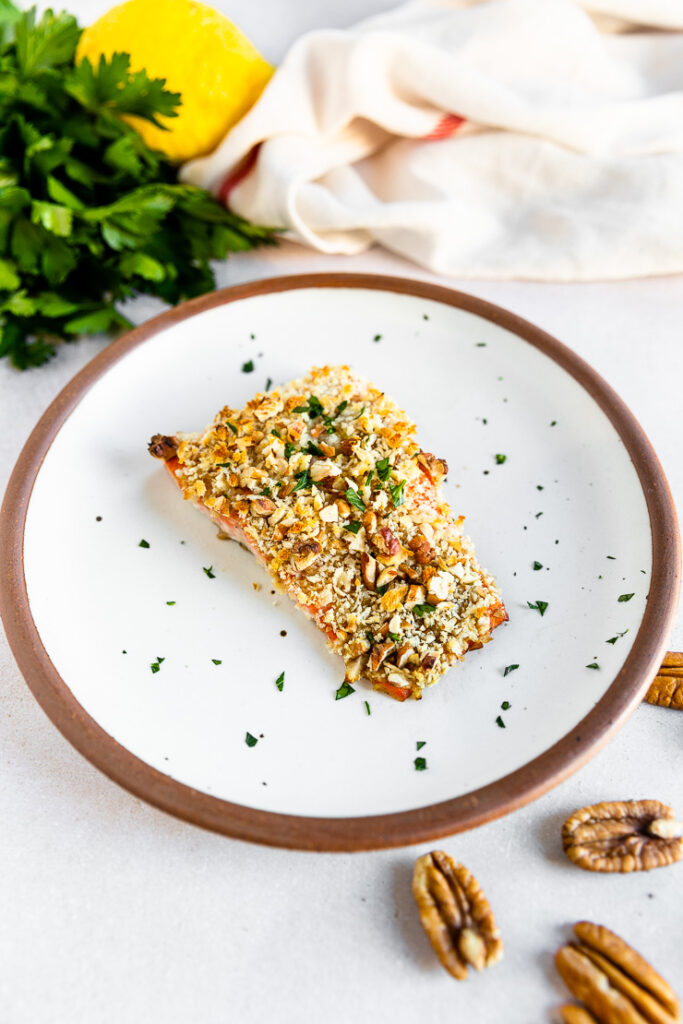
x: 323, y: 481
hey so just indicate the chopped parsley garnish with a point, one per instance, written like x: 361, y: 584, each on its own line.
x: 509, y: 669
x: 420, y: 764
x: 222, y: 466
x: 394, y: 636
x: 420, y: 744
x: 593, y: 664
x: 340, y: 408
x: 170, y: 602
x: 303, y: 479
x: 506, y: 705
x: 500, y: 723
x: 369, y: 477
x: 209, y: 572
x: 538, y: 606
x: 232, y: 426
x: 354, y: 498
x: 537, y: 566
x: 248, y: 367
x: 625, y: 597
x: 143, y: 544
x: 276, y: 433
x: 289, y: 449
x: 352, y: 527
x: 312, y: 449
x: 345, y: 690
x: 382, y: 590
x: 539, y: 487
x: 397, y: 493
x: 553, y: 423
x: 614, y: 639
x: 156, y: 665
x: 612, y: 558
x: 481, y: 344
x: 269, y: 384
x: 280, y: 681
x: 217, y: 661
x: 500, y: 459
x: 267, y: 491
x: 383, y: 469
x: 250, y: 740
x: 538, y: 515
x: 360, y: 413
x: 313, y: 407
x: 423, y: 609
x: 367, y: 707
x: 369, y: 637
x: 378, y: 337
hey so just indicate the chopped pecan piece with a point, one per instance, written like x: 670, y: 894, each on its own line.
x: 369, y: 521
x: 379, y: 653
x: 347, y: 445
x: 455, y: 914
x: 386, y: 576
x: 631, y: 835
x: 354, y: 669
x: 422, y: 549
x: 402, y: 655
x: 435, y: 469
x: 386, y: 542
x: 429, y: 661
x: 263, y: 506
x: 666, y: 690
x: 368, y: 570
x: 576, y: 1015
x: 163, y: 447
x: 411, y: 572
x: 617, y: 985
x: 304, y: 553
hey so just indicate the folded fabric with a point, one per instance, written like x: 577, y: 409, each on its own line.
x: 504, y: 138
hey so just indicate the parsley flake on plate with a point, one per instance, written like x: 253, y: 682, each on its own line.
x: 250, y: 740
x: 625, y: 597
x: 509, y: 669
x: 217, y: 661
x: 143, y: 544
x: 420, y: 764
x: 209, y: 572
x: 500, y: 459
x: 593, y: 664
x: 500, y: 723
x: 248, y: 367
x: 420, y: 744
x: 345, y: 690
x: 367, y: 707
x: 280, y: 681
x: 536, y: 566
x: 538, y: 606
x: 506, y: 705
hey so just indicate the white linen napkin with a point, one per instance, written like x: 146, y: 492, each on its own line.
x: 500, y: 139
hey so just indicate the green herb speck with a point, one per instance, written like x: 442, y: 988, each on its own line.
x: 345, y: 690
x: 506, y: 705
x: 420, y: 744
x: 170, y: 602
x: 209, y: 572
x: 538, y: 606
x: 280, y: 681
x: 367, y: 707
x: 354, y: 498
x: 593, y: 664
x: 420, y: 764
x: 250, y: 740
x: 537, y: 566
x: 500, y: 723
x: 625, y: 597
x: 378, y: 337
x: 248, y: 367
x: 143, y: 544
x: 500, y: 459
x: 509, y: 669
x: 351, y: 527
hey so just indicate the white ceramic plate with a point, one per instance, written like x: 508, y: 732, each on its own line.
x: 479, y: 383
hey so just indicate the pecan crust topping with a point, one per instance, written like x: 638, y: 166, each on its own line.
x: 163, y: 447
x: 666, y: 690
x: 630, y: 835
x: 455, y: 914
x: 616, y: 984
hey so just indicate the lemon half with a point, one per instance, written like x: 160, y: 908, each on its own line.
x: 201, y: 54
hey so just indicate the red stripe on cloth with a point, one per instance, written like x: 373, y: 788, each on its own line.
x: 448, y: 124
x: 236, y: 175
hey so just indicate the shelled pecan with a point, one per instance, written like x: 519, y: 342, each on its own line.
x: 666, y: 690
x: 616, y: 984
x: 455, y: 914
x: 629, y: 835
x: 576, y: 1015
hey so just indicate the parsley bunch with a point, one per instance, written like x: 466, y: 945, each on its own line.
x: 89, y: 214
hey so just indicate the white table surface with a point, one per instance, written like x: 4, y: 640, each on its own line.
x: 112, y: 912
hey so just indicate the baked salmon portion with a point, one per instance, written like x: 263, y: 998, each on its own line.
x: 323, y: 481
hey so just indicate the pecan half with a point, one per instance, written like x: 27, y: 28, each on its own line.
x: 422, y: 549
x: 617, y: 985
x: 455, y: 914
x: 304, y: 553
x: 666, y: 690
x: 163, y: 447
x: 630, y: 835
x: 576, y: 1015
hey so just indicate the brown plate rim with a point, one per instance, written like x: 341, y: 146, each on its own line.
x: 375, y: 831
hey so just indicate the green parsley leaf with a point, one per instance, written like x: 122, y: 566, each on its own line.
x: 593, y: 664
x: 354, y: 498
x: 340, y: 408
x: 539, y: 606
x: 360, y: 413
x: 423, y: 609
x: 625, y: 597
x: 537, y: 566
x: 500, y: 459
x: 280, y: 681
x: 289, y: 449
x: 611, y: 557
x: 614, y: 639
x: 378, y: 337
x: 383, y: 469
x: 351, y: 527
x: 156, y: 665
x: 420, y: 764
x: 250, y: 740
x: 509, y: 669
x: 345, y: 690
x: 276, y: 433
x: 500, y: 723
x: 217, y: 661
x: 269, y: 384
x: 312, y: 449
x: 313, y: 407
x: 232, y: 426
x: 506, y: 705
x: 303, y: 480
x: 248, y: 367
x: 170, y: 602
x: 367, y: 707
x: 395, y: 637
x: 397, y: 493
x: 143, y: 544
x: 209, y: 572
x: 420, y: 744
